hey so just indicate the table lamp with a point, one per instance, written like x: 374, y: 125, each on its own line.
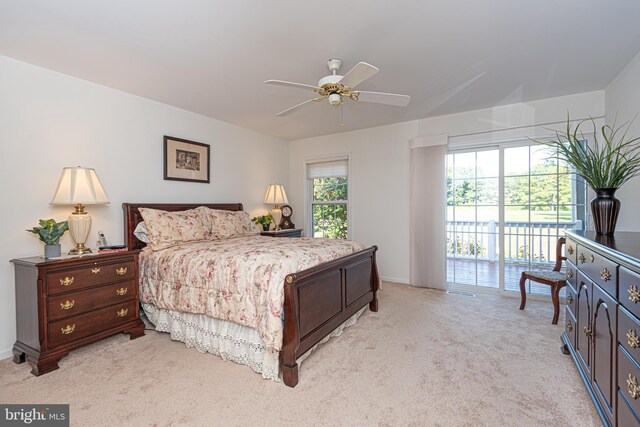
x: 79, y: 186
x: 277, y: 196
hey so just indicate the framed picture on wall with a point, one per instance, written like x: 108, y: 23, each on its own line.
x: 186, y: 160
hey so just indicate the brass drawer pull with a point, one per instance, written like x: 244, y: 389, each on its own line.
x: 570, y: 273
x: 121, y: 271
x: 67, y: 304
x: 582, y: 259
x: 121, y: 291
x: 634, y: 294
x: 605, y: 275
x: 68, y: 329
x: 66, y: 281
x: 569, y: 299
x: 569, y: 327
x: 570, y: 250
x: 592, y: 258
x: 122, y: 313
x: 95, y: 270
x: 632, y: 387
x: 588, y: 332
x: 632, y: 339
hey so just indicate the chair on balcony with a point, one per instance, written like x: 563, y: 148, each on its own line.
x: 554, y: 278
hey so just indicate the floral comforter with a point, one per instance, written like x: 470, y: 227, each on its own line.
x: 240, y: 279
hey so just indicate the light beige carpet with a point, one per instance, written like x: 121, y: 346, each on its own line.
x: 427, y: 358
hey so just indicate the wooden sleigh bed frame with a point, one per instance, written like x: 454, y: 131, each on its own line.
x: 316, y: 300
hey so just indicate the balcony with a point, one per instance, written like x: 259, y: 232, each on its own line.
x: 473, y: 252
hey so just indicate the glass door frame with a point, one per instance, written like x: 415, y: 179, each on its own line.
x: 501, y: 232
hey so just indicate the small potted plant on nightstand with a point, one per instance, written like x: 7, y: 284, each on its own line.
x: 50, y: 232
x: 263, y: 220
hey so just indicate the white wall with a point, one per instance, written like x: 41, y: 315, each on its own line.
x: 378, y: 185
x: 622, y: 100
x: 379, y: 198
x: 49, y: 120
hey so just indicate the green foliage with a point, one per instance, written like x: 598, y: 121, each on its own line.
x: 50, y: 231
x: 609, y: 163
x: 263, y: 220
x: 330, y: 220
x: 467, y: 248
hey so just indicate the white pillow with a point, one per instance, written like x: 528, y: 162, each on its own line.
x: 141, y: 232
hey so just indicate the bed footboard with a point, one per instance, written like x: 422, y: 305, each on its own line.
x: 321, y: 298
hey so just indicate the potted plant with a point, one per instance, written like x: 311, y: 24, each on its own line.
x: 50, y: 232
x: 605, y: 166
x: 263, y: 220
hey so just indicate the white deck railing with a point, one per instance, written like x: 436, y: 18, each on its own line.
x: 524, y: 241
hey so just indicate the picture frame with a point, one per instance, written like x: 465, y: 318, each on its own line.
x: 186, y: 160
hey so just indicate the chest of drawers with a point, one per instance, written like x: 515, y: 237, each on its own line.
x: 602, y: 330
x: 67, y: 303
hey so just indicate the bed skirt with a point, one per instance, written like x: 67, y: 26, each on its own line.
x: 228, y: 340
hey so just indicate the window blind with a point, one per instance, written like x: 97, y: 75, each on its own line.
x: 328, y: 169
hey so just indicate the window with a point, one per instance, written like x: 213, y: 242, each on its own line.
x: 327, y: 195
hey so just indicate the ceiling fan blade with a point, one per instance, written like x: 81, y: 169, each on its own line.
x: 291, y: 84
x: 361, y: 72
x: 297, y: 107
x: 384, y: 98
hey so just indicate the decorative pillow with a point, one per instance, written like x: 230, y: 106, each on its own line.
x: 141, y: 232
x: 166, y: 229
x: 224, y: 224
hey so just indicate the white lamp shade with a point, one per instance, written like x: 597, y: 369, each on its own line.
x: 276, y: 194
x: 79, y: 185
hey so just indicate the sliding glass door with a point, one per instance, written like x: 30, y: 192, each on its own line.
x: 507, y: 206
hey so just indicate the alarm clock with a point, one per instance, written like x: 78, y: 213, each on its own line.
x: 285, y: 222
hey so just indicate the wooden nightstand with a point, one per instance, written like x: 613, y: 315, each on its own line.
x: 295, y: 232
x: 67, y: 303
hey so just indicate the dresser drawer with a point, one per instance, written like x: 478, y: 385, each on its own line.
x: 630, y: 290
x: 83, y: 325
x: 572, y: 275
x: 626, y: 416
x: 599, y: 269
x: 91, y: 275
x: 571, y: 251
x: 629, y: 333
x: 629, y: 379
x: 73, y: 303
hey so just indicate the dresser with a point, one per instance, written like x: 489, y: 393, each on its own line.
x: 602, y: 330
x: 67, y: 303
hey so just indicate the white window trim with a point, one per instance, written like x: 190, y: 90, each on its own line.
x: 308, y: 196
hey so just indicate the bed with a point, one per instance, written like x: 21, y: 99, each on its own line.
x: 317, y: 300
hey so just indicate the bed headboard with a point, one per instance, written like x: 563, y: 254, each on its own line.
x: 132, y: 216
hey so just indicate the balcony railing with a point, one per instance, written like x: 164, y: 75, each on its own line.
x: 523, y: 241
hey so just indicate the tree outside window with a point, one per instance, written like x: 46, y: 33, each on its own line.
x: 329, y: 207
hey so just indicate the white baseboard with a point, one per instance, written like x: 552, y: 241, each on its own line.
x: 394, y: 280
x: 5, y: 354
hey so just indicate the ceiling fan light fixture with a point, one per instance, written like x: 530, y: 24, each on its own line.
x: 335, y: 99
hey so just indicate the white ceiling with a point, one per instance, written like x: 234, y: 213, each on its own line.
x: 211, y: 57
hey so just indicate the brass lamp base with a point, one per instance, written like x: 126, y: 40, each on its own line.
x: 79, y: 226
x: 80, y: 249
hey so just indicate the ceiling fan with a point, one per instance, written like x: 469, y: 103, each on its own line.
x: 336, y: 88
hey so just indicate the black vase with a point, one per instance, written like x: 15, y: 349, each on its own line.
x: 605, y: 208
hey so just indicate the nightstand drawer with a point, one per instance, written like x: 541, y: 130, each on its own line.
x: 80, y: 302
x: 92, y: 275
x: 83, y: 325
